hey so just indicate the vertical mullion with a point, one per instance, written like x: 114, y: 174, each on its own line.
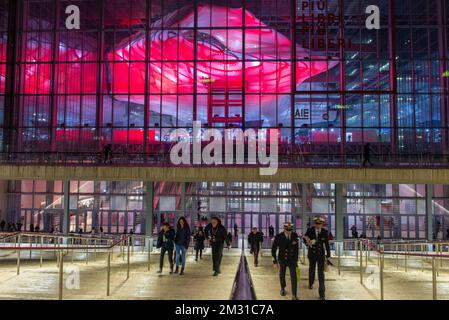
x: 100, y: 71
x: 342, y: 83
x: 147, y: 79
x: 54, y: 78
x: 293, y: 62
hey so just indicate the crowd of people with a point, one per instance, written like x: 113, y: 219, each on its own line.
x: 16, y: 227
x: 175, y: 242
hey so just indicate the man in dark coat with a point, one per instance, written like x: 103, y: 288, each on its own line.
x: 271, y: 232
x: 317, y: 240
x: 285, y: 251
x: 166, y: 241
x: 255, y: 239
x: 217, y: 235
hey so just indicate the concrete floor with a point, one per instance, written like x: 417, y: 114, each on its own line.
x: 415, y: 284
x: 42, y: 283
x: 35, y: 282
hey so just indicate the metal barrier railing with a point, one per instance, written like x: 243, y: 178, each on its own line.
x: 435, y: 252
x: 59, y: 244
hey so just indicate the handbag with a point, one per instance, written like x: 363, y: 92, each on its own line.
x: 327, y: 265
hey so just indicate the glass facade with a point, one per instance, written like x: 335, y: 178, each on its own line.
x: 136, y: 70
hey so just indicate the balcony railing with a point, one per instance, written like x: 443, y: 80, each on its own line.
x: 321, y: 160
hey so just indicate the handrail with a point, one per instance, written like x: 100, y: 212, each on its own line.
x: 58, y: 248
x: 9, y: 236
x: 381, y: 251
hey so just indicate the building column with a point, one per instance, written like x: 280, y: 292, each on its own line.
x: 148, y: 207
x: 304, y: 208
x: 96, y: 207
x: 65, y: 223
x: 339, y: 214
x: 182, y: 203
x: 4, y: 201
x: 293, y: 210
x: 429, y: 212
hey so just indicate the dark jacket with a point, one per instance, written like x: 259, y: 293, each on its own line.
x: 288, y: 250
x: 183, y: 237
x: 217, y: 236
x: 321, y: 247
x: 254, y: 240
x: 166, y: 239
x: 199, y: 238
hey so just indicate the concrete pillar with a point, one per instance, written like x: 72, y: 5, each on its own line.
x: 182, y: 204
x: 429, y: 212
x: 293, y: 211
x: 3, y: 200
x: 396, y: 205
x: 304, y: 208
x: 148, y: 207
x: 65, y: 223
x: 96, y: 208
x: 339, y: 213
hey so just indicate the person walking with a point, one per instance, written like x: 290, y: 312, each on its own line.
x: 229, y: 240
x: 317, y: 240
x: 2, y: 225
x: 236, y: 230
x: 199, y: 238
x: 271, y: 231
x: 367, y: 154
x: 182, y: 241
x: 285, y: 252
x: 255, y: 239
x: 107, y: 154
x: 217, y: 235
x: 166, y: 242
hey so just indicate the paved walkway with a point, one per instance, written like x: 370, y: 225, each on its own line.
x: 42, y: 283
x: 414, y: 284
x: 35, y: 282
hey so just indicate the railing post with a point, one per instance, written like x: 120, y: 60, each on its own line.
x: 131, y: 239
x: 422, y: 258
x: 127, y: 271
x: 406, y: 257
x: 434, y: 279
x: 339, y: 257
x: 18, y: 240
x: 149, y: 252
x: 87, y: 251
x: 381, y: 276
x: 41, y: 252
x: 361, y: 262
x: 61, y: 273
x: 397, y: 256
x: 31, y: 246
x: 108, y: 280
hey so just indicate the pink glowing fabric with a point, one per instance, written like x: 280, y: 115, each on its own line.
x: 219, y: 64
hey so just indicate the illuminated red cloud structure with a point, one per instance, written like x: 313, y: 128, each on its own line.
x: 266, y: 69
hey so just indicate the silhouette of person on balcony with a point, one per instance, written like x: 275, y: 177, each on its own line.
x: 107, y: 154
x: 367, y: 155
